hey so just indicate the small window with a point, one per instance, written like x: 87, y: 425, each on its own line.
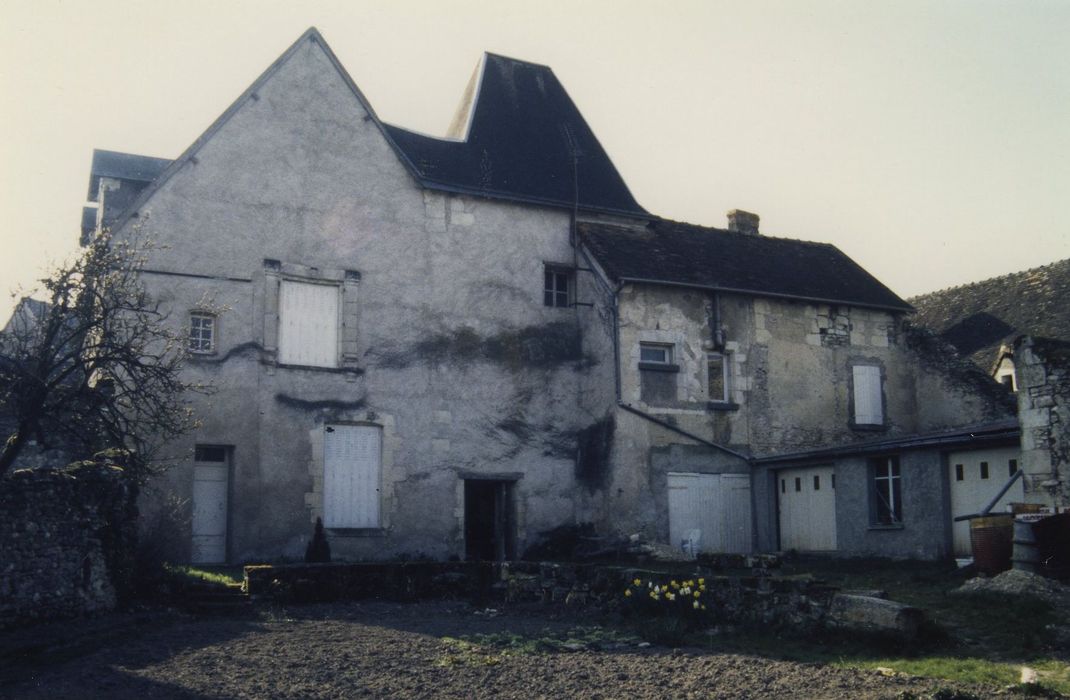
x: 887, y: 491
x: 1012, y: 467
x: 817, y: 482
x: 717, y: 377
x: 209, y: 453
x: 798, y: 484
x: 655, y: 354
x: 201, y: 333
x: 557, y: 287
x: 958, y: 472
x: 984, y: 470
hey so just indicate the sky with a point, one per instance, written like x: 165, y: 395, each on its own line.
x: 929, y: 140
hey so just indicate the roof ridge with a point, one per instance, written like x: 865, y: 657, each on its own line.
x: 977, y: 283
x: 747, y: 235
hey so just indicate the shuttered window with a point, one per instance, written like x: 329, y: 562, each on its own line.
x: 308, y: 324
x: 352, y: 456
x: 867, y: 395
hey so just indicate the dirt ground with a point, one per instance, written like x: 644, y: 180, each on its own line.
x: 392, y: 650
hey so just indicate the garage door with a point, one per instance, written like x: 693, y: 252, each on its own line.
x: 716, y: 505
x: 976, y: 477
x: 806, y: 499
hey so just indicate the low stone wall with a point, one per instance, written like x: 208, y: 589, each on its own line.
x: 67, y: 539
x: 799, y: 603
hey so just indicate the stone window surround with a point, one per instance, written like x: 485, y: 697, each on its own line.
x: 349, y: 283
x: 569, y: 273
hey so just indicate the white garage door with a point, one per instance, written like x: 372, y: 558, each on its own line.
x: 717, y: 505
x: 976, y: 477
x: 807, y: 502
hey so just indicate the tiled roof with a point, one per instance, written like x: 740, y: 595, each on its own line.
x: 672, y: 253
x: 515, y: 138
x: 977, y: 318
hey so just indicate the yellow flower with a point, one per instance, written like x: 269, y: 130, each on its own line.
x: 637, y: 582
x: 674, y: 584
x: 670, y: 596
x: 702, y: 588
x: 628, y: 593
x: 701, y: 581
x: 697, y: 594
x: 695, y: 605
x: 703, y: 607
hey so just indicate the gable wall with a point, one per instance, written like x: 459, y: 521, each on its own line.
x: 454, y: 354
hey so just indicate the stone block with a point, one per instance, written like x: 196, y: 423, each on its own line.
x: 859, y: 613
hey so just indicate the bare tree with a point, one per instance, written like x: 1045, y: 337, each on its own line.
x: 97, y: 366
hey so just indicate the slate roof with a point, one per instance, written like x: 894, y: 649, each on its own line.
x: 978, y: 318
x: 522, y: 131
x: 667, y: 252
x: 122, y: 166
x: 999, y: 432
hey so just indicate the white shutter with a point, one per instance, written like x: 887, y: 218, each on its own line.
x: 308, y: 324
x: 867, y: 381
x: 352, y: 459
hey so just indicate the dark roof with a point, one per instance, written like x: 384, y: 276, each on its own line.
x: 667, y: 252
x: 977, y: 318
x: 122, y: 166
x: 522, y: 131
x: 1004, y: 431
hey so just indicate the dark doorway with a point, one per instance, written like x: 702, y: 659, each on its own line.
x: 488, y: 520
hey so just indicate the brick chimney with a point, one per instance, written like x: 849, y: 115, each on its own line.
x: 743, y: 222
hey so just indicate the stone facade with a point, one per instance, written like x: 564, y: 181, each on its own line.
x: 479, y: 385
x: 67, y: 540
x: 1042, y: 375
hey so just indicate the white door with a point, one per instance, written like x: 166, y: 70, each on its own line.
x: 807, y: 502
x: 716, y: 505
x: 210, y: 508
x: 351, y: 472
x: 976, y: 477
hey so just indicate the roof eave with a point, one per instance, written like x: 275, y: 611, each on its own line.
x: 777, y: 295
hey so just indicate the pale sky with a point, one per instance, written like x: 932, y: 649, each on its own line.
x: 927, y: 139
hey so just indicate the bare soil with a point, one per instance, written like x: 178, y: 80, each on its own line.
x: 390, y: 650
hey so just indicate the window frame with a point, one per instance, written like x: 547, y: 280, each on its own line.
x: 726, y: 373
x: 552, y: 296
x: 886, y: 508
x: 667, y: 348
x: 213, y: 325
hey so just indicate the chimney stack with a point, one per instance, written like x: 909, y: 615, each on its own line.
x: 743, y: 222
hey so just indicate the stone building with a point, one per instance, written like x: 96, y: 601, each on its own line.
x: 450, y: 346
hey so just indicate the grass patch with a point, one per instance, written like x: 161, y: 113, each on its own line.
x: 222, y: 575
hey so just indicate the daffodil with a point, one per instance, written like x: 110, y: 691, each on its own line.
x: 670, y: 596
x: 702, y: 582
x: 628, y: 593
x: 695, y: 605
x: 637, y: 582
x: 697, y: 594
x: 703, y: 607
x: 674, y: 584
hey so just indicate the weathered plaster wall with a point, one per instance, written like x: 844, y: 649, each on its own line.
x: 454, y: 354
x: 1043, y: 378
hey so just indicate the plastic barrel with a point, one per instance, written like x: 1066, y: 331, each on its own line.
x: 1025, y: 555
x: 991, y: 539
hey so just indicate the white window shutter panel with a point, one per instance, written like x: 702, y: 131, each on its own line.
x: 867, y: 395
x: 351, y: 476
x: 308, y: 324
